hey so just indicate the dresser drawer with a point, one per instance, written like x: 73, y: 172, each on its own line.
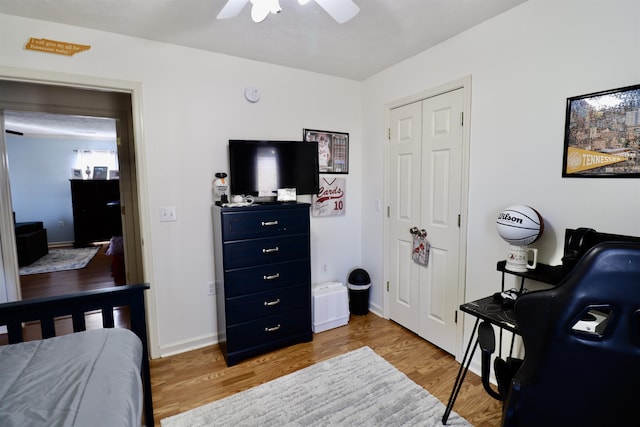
x: 267, y: 329
x: 268, y: 277
x: 264, y: 304
x: 265, y: 251
x: 237, y: 225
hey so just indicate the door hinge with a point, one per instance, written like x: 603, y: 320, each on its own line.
x: 462, y: 118
x: 388, y: 211
x: 389, y: 134
x: 387, y: 286
x: 122, y: 210
x: 455, y: 320
x: 459, y: 220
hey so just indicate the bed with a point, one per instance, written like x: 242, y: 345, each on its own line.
x: 90, y: 377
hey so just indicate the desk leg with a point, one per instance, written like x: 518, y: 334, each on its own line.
x: 462, y: 372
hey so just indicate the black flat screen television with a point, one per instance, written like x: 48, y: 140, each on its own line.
x: 260, y: 168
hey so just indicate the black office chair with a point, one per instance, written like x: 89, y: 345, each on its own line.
x: 582, y: 345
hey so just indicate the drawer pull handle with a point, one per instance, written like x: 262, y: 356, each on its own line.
x: 270, y: 250
x: 272, y: 277
x: 272, y: 329
x: 269, y: 223
x: 272, y: 303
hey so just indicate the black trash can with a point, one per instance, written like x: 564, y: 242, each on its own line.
x: 359, y: 284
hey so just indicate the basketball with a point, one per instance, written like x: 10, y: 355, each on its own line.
x: 520, y: 225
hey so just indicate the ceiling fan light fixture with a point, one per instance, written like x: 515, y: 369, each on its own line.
x: 340, y: 10
x: 262, y: 8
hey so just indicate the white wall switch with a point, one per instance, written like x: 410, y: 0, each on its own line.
x: 168, y: 214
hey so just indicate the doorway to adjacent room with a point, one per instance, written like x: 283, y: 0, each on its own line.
x: 36, y: 97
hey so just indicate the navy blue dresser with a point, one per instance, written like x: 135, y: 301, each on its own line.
x: 263, y: 278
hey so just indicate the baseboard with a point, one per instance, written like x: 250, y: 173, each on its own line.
x: 376, y: 309
x: 183, y: 347
x: 207, y: 340
x: 56, y: 245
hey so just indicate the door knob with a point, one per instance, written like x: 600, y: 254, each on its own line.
x: 418, y: 232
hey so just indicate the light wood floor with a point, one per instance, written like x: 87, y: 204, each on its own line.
x: 96, y: 275
x: 191, y: 379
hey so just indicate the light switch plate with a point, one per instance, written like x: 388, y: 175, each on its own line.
x: 168, y: 214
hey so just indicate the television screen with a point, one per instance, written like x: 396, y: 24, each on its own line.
x: 260, y: 168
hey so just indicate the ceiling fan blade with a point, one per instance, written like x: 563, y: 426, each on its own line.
x: 13, y: 132
x: 340, y: 10
x: 231, y: 9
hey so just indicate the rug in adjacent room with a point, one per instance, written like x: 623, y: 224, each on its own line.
x: 356, y: 388
x: 61, y: 259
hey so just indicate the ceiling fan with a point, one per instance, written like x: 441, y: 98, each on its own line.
x: 340, y: 10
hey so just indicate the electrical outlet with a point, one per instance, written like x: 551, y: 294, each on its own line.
x: 324, y: 269
x: 211, y: 288
x: 61, y: 224
x: 167, y: 213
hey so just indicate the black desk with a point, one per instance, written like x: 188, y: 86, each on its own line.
x: 550, y: 274
x: 492, y: 311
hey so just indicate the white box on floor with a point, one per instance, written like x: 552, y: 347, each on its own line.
x: 329, y: 306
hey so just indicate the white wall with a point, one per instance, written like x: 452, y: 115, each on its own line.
x: 524, y: 64
x: 39, y: 172
x: 192, y: 104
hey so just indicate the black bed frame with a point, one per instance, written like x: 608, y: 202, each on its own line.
x: 45, y: 310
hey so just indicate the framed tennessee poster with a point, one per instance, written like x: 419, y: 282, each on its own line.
x: 602, y: 134
x: 330, y: 200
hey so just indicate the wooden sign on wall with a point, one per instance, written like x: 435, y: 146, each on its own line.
x: 57, y: 47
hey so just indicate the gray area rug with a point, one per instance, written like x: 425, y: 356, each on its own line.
x: 61, y: 259
x: 353, y: 389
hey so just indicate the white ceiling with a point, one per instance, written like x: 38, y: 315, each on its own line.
x: 57, y: 125
x: 384, y: 33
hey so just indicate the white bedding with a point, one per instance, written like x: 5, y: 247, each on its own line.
x: 84, y: 379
